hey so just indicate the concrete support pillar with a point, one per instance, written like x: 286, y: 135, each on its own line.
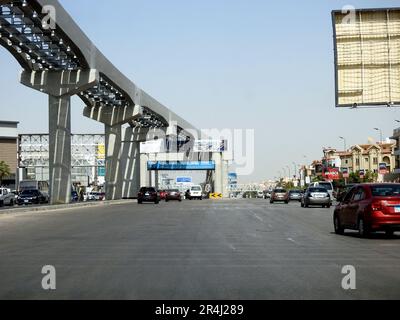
x: 144, y: 173
x: 156, y: 176
x: 113, y: 167
x: 225, y: 180
x: 217, y: 157
x: 60, y: 149
x: 130, y: 164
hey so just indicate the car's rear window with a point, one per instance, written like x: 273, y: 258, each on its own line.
x: 295, y: 192
x: 196, y: 188
x: 280, y: 191
x: 29, y: 192
x: 147, y: 190
x: 327, y: 186
x: 174, y: 190
x: 386, y: 191
x: 318, y: 190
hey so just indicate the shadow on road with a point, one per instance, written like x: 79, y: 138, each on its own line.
x: 372, y: 236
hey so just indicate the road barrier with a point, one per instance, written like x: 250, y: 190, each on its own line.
x: 215, y: 195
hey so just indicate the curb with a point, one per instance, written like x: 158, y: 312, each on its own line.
x: 64, y: 206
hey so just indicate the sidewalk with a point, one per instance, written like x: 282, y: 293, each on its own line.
x: 30, y: 209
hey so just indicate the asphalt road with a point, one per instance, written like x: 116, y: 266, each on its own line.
x: 236, y: 249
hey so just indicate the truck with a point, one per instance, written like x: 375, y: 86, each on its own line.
x: 6, y: 197
x: 42, y: 186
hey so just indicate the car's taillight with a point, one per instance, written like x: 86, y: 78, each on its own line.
x: 376, y: 206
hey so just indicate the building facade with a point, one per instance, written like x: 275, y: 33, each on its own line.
x: 396, y: 138
x: 87, y: 163
x: 8, y: 150
x: 364, y: 157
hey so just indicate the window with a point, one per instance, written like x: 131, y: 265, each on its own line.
x: 357, y: 162
x: 348, y: 196
x: 375, y: 160
x: 366, y: 159
x: 326, y: 185
x: 346, y: 162
x: 386, y: 191
x: 360, y: 195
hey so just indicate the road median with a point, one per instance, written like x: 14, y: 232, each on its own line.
x: 31, y: 209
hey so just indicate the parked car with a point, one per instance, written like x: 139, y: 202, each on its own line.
x: 325, y: 184
x: 316, y: 196
x: 32, y: 196
x: 6, y: 197
x: 95, y: 196
x: 369, y: 208
x: 260, y: 195
x: 148, y: 194
x: 195, y: 192
x: 295, y: 195
x: 173, y: 194
x: 279, y: 194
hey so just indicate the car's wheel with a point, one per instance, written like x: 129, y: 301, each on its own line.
x: 363, y: 229
x: 271, y: 202
x: 323, y: 206
x: 329, y: 206
x: 139, y: 202
x: 1, y: 204
x: 302, y: 204
x: 306, y: 205
x: 11, y: 203
x: 156, y: 202
x: 338, y: 226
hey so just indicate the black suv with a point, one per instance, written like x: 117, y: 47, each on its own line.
x: 148, y: 194
x: 32, y: 197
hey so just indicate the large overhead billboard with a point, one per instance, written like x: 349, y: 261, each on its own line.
x: 367, y: 57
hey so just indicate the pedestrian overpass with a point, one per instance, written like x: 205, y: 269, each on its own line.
x: 59, y: 60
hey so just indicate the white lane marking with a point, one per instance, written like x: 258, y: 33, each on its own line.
x: 258, y: 217
x: 232, y: 247
x: 291, y: 240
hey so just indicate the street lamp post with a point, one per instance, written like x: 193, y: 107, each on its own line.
x: 295, y: 170
x: 284, y: 172
x: 344, y: 141
x: 290, y: 176
x: 380, y: 132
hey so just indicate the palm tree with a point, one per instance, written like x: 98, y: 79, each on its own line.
x: 4, y: 170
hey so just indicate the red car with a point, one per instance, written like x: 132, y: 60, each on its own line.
x: 163, y: 194
x: 368, y: 208
x: 173, y: 194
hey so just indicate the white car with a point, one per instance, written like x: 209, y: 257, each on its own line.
x: 195, y: 192
x: 6, y: 197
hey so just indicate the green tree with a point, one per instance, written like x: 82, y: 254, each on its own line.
x: 4, y: 170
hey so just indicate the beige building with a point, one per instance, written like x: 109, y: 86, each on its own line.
x: 9, y: 148
x: 396, y: 137
x: 364, y: 156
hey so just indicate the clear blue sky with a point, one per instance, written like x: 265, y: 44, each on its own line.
x: 221, y: 64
